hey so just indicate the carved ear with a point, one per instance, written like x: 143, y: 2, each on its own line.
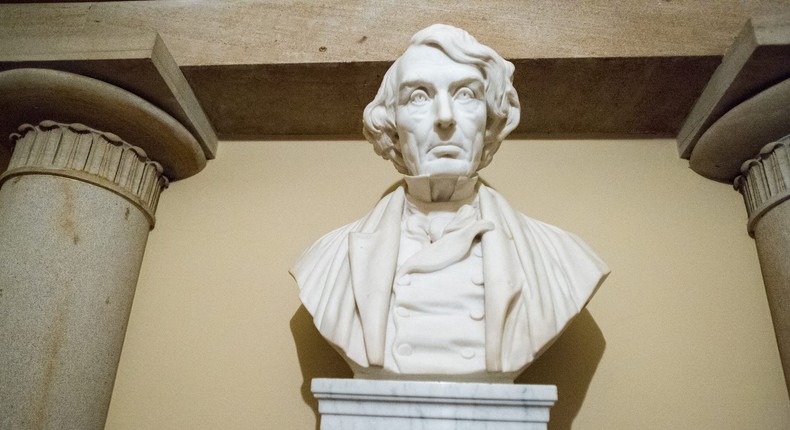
x: 513, y: 118
x: 498, y: 129
x: 394, y: 153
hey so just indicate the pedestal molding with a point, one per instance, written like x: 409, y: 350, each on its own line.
x: 100, y: 158
x: 765, y: 180
x: 389, y: 405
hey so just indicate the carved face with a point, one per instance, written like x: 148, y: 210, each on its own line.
x: 441, y: 113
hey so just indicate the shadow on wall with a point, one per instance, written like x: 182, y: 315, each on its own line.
x: 317, y: 358
x: 570, y: 365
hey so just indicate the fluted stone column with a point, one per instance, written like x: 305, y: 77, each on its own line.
x: 765, y: 185
x: 76, y: 205
x: 739, y: 132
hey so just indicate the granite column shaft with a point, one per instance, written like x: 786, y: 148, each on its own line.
x: 76, y: 206
x: 765, y: 185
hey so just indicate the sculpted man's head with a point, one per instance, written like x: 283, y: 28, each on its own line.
x: 439, y: 280
x: 444, y: 106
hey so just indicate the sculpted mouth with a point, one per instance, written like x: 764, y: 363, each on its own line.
x: 446, y: 150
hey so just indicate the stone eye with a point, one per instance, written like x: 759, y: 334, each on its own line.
x: 464, y: 94
x: 419, y: 97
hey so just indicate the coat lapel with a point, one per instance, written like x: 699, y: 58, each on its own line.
x: 373, y: 255
x: 501, y: 269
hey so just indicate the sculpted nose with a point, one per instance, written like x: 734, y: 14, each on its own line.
x: 444, y: 112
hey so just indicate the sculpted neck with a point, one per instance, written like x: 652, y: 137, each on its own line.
x: 441, y: 189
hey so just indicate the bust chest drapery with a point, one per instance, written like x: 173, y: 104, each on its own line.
x: 530, y: 294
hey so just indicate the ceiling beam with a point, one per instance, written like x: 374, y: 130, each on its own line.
x: 280, y: 68
x: 287, y: 32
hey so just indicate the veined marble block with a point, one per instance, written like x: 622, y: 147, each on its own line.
x: 350, y: 404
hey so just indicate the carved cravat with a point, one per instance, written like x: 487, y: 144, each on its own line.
x: 444, y: 242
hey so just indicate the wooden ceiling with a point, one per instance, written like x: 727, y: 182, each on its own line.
x: 278, y: 68
x: 616, y: 97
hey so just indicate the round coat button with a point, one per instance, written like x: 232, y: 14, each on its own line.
x: 404, y: 280
x: 467, y: 353
x: 477, y: 279
x: 404, y: 349
x: 477, y: 314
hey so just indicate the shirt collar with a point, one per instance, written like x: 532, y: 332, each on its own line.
x: 441, y: 188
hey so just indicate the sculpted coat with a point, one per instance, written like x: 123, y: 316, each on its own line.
x: 537, y: 277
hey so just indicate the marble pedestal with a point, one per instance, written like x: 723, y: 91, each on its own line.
x: 350, y: 404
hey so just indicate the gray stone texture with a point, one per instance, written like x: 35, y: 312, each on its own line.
x: 765, y: 185
x: 70, y: 254
x: 79, y: 152
x: 772, y: 236
x: 71, y: 245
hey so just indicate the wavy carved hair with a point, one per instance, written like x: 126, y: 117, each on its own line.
x: 502, y: 105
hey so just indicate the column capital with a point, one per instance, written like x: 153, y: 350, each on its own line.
x: 33, y: 96
x: 100, y: 158
x: 744, y: 105
x: 765, y: 180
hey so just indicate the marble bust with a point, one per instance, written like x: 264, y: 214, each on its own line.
x: 443, y: 279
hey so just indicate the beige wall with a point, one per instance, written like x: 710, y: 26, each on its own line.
x: 679, y: 336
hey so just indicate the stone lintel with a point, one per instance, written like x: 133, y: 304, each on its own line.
x: 288, y: 32
x: 138, y: 63
x: 287, y: 69
x: 758, y: 58
x: 630, y: 96
x: 560, y: 97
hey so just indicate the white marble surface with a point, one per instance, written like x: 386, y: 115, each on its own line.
x: 389, y: 405
x: 443, y: 279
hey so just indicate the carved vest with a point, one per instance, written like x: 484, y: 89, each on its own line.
x: 436, y: 319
